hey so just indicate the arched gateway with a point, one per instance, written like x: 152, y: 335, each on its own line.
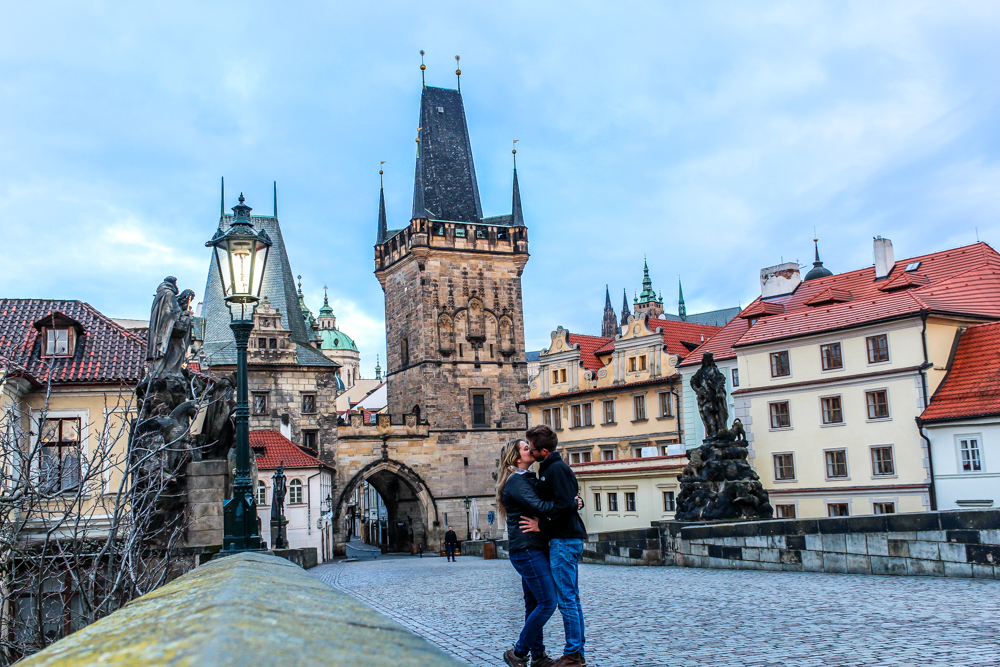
x: 411, y: 508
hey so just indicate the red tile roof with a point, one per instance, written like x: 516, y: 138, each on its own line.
x: 273, y: 449
x: 588, y: 346
x: 105, y: 352
x: 675, y: 335
x: 972, y: 386
x: 961, y: 281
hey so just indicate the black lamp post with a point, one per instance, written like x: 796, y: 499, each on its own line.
x: 468, y: 527
x: 241, y: 255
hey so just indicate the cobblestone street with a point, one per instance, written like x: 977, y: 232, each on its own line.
x: 639, y: 616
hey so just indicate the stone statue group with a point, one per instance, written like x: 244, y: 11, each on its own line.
x: 718, y: 482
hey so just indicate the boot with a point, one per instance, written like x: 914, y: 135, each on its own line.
x: 542, y: 661
x: 571, y: 660
x: 514, y: 660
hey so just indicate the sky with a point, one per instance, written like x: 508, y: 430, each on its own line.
x: 713, y: 138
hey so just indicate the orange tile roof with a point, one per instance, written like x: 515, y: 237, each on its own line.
x: 588, y: 346
x: 273, y: 449
x: 960, y: 281
x: 675, y: 335
x: 972, y: 386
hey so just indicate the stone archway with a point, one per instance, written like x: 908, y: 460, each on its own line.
x: 411, y: 508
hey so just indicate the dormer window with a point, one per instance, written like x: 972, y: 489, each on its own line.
x: 59, y: 342
x: 913, y: 266
x: 460, y: 231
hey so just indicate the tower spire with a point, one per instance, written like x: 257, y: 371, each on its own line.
x: 818, y: 270
x: 516, y: 215
x: 419, y: 209
x: 609, y: 326
x: 383, y: 229
x: 681, y: 308
x: 423, y: 68
x: 222, y: 202
x: 458, y: 72
x: 276, y: 200
x: 625, y: 308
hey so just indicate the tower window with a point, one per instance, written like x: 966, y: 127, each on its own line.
x: 262, y: 343
x: 480, y: 407
x: 460, y: 232
x: 404, y: 351
x: 273, y: 343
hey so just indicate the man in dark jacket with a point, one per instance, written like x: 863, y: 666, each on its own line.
x: 565, y: 532
x: 450, y: 542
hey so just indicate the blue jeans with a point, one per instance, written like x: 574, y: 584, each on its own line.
x: 564, y: 560
x: 449, y: 551
x: 539, y: 598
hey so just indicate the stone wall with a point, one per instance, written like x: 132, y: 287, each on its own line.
x: 207, y: 488
x: 639, y: 546
x: 948, y: 543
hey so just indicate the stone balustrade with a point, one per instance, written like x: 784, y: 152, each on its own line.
x: 250, y: 609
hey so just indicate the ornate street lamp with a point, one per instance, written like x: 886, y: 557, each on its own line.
x: 468, y: 527
x: 241, y: 255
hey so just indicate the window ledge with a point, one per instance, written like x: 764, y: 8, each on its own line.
x: 787, y: 481
x: 880, y: 363
x: 782, y: 428
x: 833, y: 424
x: 878, y: 419
x: 837, y: 479
x: 666, y: 418
x: 576, y: 428
x: 609, y: 424
x: 639, y: 421
x: 831, y: 370
x: 885, y: 476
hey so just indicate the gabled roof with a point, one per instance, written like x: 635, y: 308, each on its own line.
x: 972, y: 386
x: 105, y: 352
x: 679, y: 337
x: 588, y: 346
x: 961, y: 281
x: 273, y: 449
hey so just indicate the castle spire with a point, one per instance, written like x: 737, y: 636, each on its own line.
x: 681, y: 309
x: 276, y: 199
x: 609, y: 327
x: 383, y: 229
x: 625, y: 309
x: 516, y: 217
x: 222, y: 202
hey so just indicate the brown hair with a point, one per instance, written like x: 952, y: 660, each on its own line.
x: 542, y: 437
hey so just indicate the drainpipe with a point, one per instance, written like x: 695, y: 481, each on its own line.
x: 309, y: 505
x: 517, y: 409
x: 920, y: 426
x: 680, y: 421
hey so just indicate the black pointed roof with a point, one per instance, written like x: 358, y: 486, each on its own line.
x: 444, y: 184
x: 818, y: 270
x: 625, y: 309
x: 382, y: 225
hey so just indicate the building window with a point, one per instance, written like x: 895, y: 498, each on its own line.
x: 57, y: 343
x: 597, y: 502
x: 639, y: 407
x: 631, y: 365
x: 273, y: 343
x: 609, y: 412
x: 736, y: 377
x: 547, y: 417
x: 404, y: 351
x: 969, y: 454
x: 878, y: 404
x: 838, y: 509
x: 779, y: 415
x: 878, y: 348
x: 579, y: 457
x: 831, y: 356
x: 574, y: 411
x: 637, y: 451
x: 308, y: 404
x: 629, y: 501
x: 261, y: 493
x: 666, y: 405
x: 836, y: 463
x: 60, y: 454
x: 779, y: 364
x: 612, y: 502
x: 833, y: 411
x: 479, y: 416
x: 588, y: 414
x: 668, y: 501
x: 642, y: 363
x: 607, y: 455
x: 784, y: 466
x: 480, y: 232
x: 261, y: 343
x: 562, y: 375
x: 882, y: 461
x: 295, y: 492
x: 309, y: 439
x: 555, y: 377
x: 552, y: 417
x: 460, y: 231
x: 259, y: 403
x: 465, y: 461
x: 884, y: 508
x: 437, y: 229
x: 784, y: 511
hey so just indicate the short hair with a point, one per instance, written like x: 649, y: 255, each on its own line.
x: 542, y: 437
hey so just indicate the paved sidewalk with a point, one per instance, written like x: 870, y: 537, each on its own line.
x: 646, y: 616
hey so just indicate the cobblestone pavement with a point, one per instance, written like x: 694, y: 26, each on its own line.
x: 644, y: 616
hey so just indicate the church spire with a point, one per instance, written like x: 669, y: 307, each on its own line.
x: 382, y: 226
x: 625, y: 309
x: 516, y: 216
x: 609, y: 327
x: 681, y: 309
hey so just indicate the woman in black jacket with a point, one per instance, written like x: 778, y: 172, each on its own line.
x: 516, y: 497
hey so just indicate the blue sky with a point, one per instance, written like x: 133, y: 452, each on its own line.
x: 711, y: 137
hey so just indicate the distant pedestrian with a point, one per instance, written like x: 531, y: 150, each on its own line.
x: 450, y: 542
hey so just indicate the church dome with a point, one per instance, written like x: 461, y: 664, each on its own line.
x: 818, y: 270
x: 332, y: 339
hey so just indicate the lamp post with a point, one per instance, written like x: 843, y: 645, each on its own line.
x: 241, y: 255
x: 468, y: 527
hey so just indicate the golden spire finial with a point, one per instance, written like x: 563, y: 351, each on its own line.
x: 380, y: 172
x: 458, y: 72
x: 423, y: 68
x: 514, y: 153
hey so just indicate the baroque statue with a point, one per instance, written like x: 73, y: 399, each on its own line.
x: 279, y: 539
x: 169, y: 335
x: 718, y: 482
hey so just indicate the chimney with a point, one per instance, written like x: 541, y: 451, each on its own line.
x: 779, y: 280
x: 884, y: 259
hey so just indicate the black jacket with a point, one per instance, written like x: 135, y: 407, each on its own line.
x: 520, y: 499
x: 450, y: 537
x: 557, y: 483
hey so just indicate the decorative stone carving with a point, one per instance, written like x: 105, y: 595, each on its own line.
x: 718, y: 482
x: 169, y: 334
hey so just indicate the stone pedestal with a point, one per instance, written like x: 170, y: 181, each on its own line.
x: 208, y: 486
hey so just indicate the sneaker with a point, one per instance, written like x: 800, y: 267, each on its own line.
x: 542, y: 661
x: 514, y: 660
x: 571, y: 660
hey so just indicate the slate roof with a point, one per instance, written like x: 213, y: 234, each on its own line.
x: 972, y: 386
x: 219, y: 347
x: 273, y: 449
x: 532, y: 355
x: 960, y: 281
x: 105, y: 352
x: 445, y: 186
x: 675, y: 335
